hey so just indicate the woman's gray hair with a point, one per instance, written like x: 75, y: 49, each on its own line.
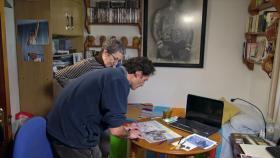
x: 113, y: 45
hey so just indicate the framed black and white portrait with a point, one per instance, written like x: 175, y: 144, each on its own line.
x: 174, y: 32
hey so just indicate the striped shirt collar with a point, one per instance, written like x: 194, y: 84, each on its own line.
x: 124, y: 70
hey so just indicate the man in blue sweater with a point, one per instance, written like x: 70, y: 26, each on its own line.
x: 92, y: 103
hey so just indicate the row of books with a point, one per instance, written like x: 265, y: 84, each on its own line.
x: 259, y: 23
x: 256, y: 51
x: 120, y: 15
x: 115, y: 3
x: 153, y: 111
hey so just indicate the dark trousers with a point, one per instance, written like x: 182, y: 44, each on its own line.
x: 104, y: 143
x: 63, y: 151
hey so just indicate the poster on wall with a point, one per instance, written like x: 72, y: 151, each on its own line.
x: 32, y: 36
x: 174, y: 32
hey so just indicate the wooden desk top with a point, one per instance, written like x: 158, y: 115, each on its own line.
x: 164, y: 148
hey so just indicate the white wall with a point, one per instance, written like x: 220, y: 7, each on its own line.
x: 259, y: 88
x: 223, y: 73
x: 12, y: 60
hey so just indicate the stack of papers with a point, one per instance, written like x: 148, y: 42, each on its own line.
x: 153, y: 131
x: 192, y: 141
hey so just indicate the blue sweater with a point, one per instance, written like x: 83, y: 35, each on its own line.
x: 93, y: 102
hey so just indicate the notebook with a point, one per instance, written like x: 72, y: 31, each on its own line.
x: 203, y: 116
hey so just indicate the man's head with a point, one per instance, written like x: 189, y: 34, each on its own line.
x: 113, y: 52
x: 139, y: 70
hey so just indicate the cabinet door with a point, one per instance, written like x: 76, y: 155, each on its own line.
x: 76, y: 10
x: 66, y: 17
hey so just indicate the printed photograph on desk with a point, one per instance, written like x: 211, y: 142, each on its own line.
x: 200, y: 141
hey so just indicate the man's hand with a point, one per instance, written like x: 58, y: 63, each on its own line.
x: 134, y: 134
x: 133, y: 131
x: 131, y: 126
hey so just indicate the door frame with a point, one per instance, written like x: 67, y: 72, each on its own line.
x: 4, y: 87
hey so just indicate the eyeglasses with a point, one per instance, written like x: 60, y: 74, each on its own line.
x: 116, y: 60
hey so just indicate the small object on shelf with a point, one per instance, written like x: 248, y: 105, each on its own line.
x: 136, y: 42
x: 124, y: 41
x: 102, y: 39
x: 267, y: 64
x: 113, y: 37
x: 90, y: 42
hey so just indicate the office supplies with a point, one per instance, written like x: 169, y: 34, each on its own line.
x: 161, y: 142
x: 176, y: 145
x: 234, y: 99
x: 203, y: 116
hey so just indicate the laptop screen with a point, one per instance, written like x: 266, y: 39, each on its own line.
x: 205, y: 110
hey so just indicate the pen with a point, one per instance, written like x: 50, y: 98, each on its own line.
x: 177, y: 144
x: 161, y: 142
x: 180, y: 140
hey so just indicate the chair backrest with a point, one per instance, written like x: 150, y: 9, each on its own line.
x: 31, y: 140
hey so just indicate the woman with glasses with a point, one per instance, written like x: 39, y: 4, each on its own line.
x: 111, y: 55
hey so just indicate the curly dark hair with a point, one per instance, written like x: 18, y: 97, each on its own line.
x: 139, y: 64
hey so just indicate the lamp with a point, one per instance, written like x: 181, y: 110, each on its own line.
x: 233, y: 99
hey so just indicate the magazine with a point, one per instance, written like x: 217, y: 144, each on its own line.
x: 192, y: 141
x: 153, y: 131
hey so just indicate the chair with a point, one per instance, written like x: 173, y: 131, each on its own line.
x: 31, y: 140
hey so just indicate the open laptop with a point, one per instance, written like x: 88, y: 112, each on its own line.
x: 203, y: 116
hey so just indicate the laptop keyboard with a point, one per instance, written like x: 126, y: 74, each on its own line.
x: 194, y: 127
x: 274, y: 151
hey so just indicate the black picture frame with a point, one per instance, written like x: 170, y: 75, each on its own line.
x: 174, y: 32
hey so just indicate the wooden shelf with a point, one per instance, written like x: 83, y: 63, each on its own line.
x: 61, y: 55
x: 127, y: 47
x: 119, y: 24
x: 253, y: 10
x: 255, y: 33
x: 270, y: 34
x: 134, y: 24
x: 265, y: 6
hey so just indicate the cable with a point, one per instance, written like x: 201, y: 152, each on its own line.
x: 233, y: 99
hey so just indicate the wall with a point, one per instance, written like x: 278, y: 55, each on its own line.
x: 259, y: 88
x: 223, y: 73
x: 12, y: 60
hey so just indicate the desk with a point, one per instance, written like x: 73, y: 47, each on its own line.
x: 164, y: 148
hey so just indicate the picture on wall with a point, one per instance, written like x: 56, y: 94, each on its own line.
x: 32, y: 36
x: 174, y: 32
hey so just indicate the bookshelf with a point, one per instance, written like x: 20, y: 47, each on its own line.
x: 113, y: 13
x: 261, y: 34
